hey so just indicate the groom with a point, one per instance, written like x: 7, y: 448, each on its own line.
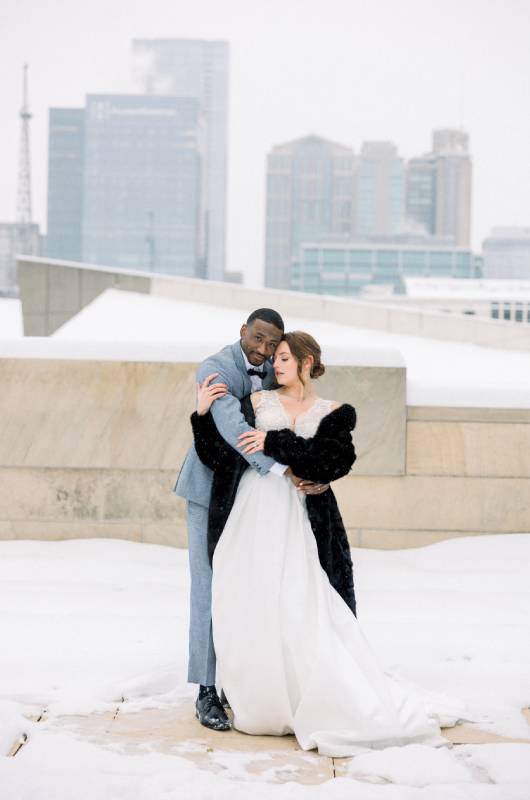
x: 244, y: 367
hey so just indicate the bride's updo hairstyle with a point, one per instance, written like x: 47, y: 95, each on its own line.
x: 302, y: 345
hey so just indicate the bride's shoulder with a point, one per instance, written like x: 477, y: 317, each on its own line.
x: 346, y: 415
x: 256, y: 398
x: 329, y: 405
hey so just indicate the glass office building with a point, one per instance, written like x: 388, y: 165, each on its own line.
x: 309, y: 196
x: 346, y: 269
x: 439, y: 188
x: 199, y: 69
x: 507, y: 253
x: 16, y: 238
x: 380, y: 190
x: 142, y: 183
x: 65, y: 183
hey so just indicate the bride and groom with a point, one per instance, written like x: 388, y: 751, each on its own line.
x: 272, y: 601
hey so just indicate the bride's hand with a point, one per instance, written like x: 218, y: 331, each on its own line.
x: 252, y: 441
x: 206, y: 394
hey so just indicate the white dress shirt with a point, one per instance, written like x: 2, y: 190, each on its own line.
x: 257, y: 384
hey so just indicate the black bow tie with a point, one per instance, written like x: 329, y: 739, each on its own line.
x: 256, y: 372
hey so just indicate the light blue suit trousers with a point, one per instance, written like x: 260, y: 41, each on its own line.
x: 201, y: 658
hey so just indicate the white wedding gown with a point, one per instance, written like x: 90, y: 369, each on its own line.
x: 291, y: 656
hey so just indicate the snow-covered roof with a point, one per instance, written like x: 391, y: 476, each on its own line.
x: 11, y: 326
x: 120, y: 325
x: 468, y: 288
x: 438, y: 372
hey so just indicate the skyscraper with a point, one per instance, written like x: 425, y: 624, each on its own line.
x: 142, y: 183
x: 16, y: 238
x: 507, y: 253
x: 196, y: 69
x: 421, y: 193
x: 309, y: 197
x: 380, y: 190
x: 453, y: 185
x: 439, y: 188
x: 65, y: 183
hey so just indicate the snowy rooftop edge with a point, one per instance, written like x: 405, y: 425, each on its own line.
x: 44, y: 347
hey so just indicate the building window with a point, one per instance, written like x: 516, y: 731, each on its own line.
x: 507, y: 311
x: 495, y: 311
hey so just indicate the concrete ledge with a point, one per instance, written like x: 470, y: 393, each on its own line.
x: 135, y: 415
x: 468, y: 414
x: 52, y: 291
x: 93, y: 448
x: 440, y: 503
x: 468, y: 448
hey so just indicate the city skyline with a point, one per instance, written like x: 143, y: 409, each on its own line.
x: 439, y: 72
x: 318, y: 191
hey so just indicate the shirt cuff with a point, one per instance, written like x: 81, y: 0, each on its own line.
x: 279, y: 469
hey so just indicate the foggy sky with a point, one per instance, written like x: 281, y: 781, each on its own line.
x: 345, y: 69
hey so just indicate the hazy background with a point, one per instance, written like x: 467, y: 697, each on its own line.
x: 347, y: 70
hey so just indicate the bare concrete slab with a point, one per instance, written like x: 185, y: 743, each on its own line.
x: 276, y: 759
x: 471, y: 734
x: 177, y: 731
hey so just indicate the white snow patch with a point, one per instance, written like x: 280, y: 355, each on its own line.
x: 11, y: 325
x: 411, y: 765
x: 86, y: 622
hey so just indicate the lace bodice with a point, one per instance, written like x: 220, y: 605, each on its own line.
x: 271, y: 415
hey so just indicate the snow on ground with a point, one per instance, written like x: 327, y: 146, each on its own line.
x: 85, y: 621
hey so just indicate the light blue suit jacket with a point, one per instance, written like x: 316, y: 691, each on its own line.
x: 195, y: 479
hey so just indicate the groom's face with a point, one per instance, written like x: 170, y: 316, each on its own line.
x: 259, y: 340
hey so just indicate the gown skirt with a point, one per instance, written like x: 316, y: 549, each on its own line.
x: 291, y: 656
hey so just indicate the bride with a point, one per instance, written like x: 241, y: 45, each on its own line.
x: 291, y: 654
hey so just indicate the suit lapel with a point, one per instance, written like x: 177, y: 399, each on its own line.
x: 268, y: 381
x: 240, y: 364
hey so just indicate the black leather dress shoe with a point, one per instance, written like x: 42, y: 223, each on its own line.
x: 224, y: 701
x: 210, y: 712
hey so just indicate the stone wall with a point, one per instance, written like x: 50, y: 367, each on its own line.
x: 92, y: 448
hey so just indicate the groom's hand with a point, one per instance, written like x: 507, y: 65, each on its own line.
x: 307, y: 487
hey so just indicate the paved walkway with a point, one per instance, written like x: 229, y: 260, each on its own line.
x: 177, y: 731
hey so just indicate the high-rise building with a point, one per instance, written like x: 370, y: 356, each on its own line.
x: 309, y: 198
x: 196, y: 69
x: 142, y: 183
x: 421, y: 193
x: 453, y: 185
x: 439, y: 188
x: 65, y: 182
x: 125, y: 184
x: 16, y: 238
x: 380, y: 190
x: 507, y: 253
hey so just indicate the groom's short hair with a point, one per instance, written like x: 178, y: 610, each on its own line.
x: 267, y: 315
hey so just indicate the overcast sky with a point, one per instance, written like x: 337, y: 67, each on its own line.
x: 345, y: 69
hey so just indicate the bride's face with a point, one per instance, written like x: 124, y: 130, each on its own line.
x: 285, y: 365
